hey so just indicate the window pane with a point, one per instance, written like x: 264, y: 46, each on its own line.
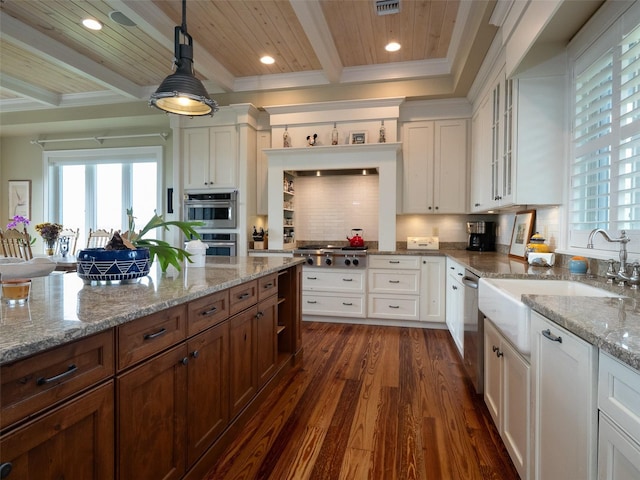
x: 109, y: 211
x: 73, y: 190
x: 144, y: 193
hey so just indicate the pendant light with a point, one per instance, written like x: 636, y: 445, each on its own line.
x: 181, y: 92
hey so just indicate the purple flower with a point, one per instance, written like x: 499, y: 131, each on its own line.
x: 18, y: 219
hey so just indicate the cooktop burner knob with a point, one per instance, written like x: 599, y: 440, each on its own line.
x: 310, y: 261
x: 328, y: 261
x: 356, y: 262
x: 347, y: 262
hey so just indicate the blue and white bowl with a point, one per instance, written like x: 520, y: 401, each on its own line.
x: 98, y: 264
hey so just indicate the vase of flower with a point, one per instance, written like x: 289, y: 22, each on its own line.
x: 49, y: 233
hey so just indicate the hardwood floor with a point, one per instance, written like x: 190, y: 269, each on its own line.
x: 370, y: 402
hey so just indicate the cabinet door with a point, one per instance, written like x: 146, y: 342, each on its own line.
x: 222, y: 157
x: 618, y: 454
x: 450, y: 167
x: 195, y: 157
x: 208, y: 389
x: 418, y: 158
x: 492, y: 373
x: 480, y: 177
x: 151, y: 420
x: 515, y: 407
x: 432, y: 288
x: 565, y: 410
x: 266, y: 339
x: 74, y: 441
x: 243, y: 381
x: 455, y: 311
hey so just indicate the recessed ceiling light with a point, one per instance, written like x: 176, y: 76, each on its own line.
x: 267, y: 60
x: 392, y: 47
x: 92, y: 24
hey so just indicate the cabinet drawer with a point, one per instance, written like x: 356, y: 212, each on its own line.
x: 401, y: 307
x: 399, y: 282
x: 619, y: 394
x: 34, y: 383
x: 243, y: 296
x: 455, y: 269
x: 333, y: 305
x: 146, y: 336
x: 394, y: 262
x: 333, y: 281
x: 267, y: 286
x: 208, y: 311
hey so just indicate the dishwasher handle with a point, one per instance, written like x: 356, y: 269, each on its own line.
x: 470, y: 282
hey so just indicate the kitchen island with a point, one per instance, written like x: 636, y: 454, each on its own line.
x: 144, y: 380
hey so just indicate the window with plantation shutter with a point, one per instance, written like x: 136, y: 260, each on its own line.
x: 605, y: 167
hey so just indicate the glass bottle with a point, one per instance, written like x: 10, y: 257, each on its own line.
x: 334, y: 135
x: 286, y: 140
x: 383, y: 134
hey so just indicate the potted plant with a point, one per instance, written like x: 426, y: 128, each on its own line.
x: 129, y: 255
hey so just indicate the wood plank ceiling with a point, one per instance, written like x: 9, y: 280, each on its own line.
x: 49, y: 59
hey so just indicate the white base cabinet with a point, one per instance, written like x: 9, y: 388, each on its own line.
x: 619, y: 426
x: 507, y: 395
x: 394, y: 287
x: 564, y: 369
x: 455, y: 303
x: 333, y: 292
x: 432, y: 290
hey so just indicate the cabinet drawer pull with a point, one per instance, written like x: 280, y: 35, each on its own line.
x: 259, y: 315
x: 211, y: 311
x: 312, y: 301
x: 243, y: 296
x: 268, y: 285
x: 394, y: 306
x: 312, y: 278
x: 70, y: 369
x: 394, y: 261
x: 184, y: 361
x: 5, y: 469
x: 159, y: 333
x: 394, y: 281
x: 347, y: 279
x: 554, y: 338
x: 347, y: 304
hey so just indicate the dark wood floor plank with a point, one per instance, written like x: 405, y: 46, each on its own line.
x: 381, y: 403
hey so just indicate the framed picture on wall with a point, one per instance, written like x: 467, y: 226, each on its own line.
x: 20, y: 198
x: 522, y: 230
x: 358, y: 138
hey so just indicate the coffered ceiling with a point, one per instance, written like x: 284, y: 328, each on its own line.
x: 50, y: 60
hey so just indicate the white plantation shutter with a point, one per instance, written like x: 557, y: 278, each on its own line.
x: 605, y: 170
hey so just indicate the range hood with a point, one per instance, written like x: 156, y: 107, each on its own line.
x: 334, y: 172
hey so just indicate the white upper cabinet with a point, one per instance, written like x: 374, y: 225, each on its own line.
x: 519, y: 143
x: 209, y: 157
x: 434, y: 166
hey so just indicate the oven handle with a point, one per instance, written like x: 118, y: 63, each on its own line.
x: 470, y: 282
x: 219, y: 244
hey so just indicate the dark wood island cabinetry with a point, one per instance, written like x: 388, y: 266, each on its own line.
x: 177, y: 385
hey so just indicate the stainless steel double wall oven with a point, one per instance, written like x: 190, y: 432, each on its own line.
x: 219, y: 213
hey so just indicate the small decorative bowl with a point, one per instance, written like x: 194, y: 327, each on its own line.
x: 98, y: 264
x: 578, y: 265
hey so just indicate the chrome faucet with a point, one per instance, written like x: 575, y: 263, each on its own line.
x: 622, y: 240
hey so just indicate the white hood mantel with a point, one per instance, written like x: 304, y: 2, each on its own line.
x: 382, y: 156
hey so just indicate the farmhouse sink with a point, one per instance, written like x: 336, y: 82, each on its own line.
x: 499, y: 300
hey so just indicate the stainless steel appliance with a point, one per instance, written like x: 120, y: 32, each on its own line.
x: 327, y: 256
x: 482, y: 236
x: 216, y: 209
x: 473, y: 332
x: 220, y: 244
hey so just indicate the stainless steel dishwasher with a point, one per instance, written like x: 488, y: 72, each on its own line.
x: 473, y: 332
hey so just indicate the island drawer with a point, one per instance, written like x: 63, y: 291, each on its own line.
x: 208, y: 311
x: 267, y: 286
x: 37, y: 382
x: 243, y: 296
x: 149, y: 335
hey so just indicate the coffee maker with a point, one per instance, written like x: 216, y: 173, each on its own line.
x: 482, y: 236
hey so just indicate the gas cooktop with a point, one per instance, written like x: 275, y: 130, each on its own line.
x: 330, y: 247
x: 333, y: 256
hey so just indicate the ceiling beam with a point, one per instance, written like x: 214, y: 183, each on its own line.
x: 153, y: 22
x: 312, y: 19
x: 43, y: 46
x: 29, y: 90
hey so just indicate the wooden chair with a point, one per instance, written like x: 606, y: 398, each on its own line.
x: 98, y: 238
x: 15, y: 243
x: 71, y: 236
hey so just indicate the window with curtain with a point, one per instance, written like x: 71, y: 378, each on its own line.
x: 605, y: 168
x: 93, y: 188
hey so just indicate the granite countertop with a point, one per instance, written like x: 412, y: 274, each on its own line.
x: 61, y: 308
